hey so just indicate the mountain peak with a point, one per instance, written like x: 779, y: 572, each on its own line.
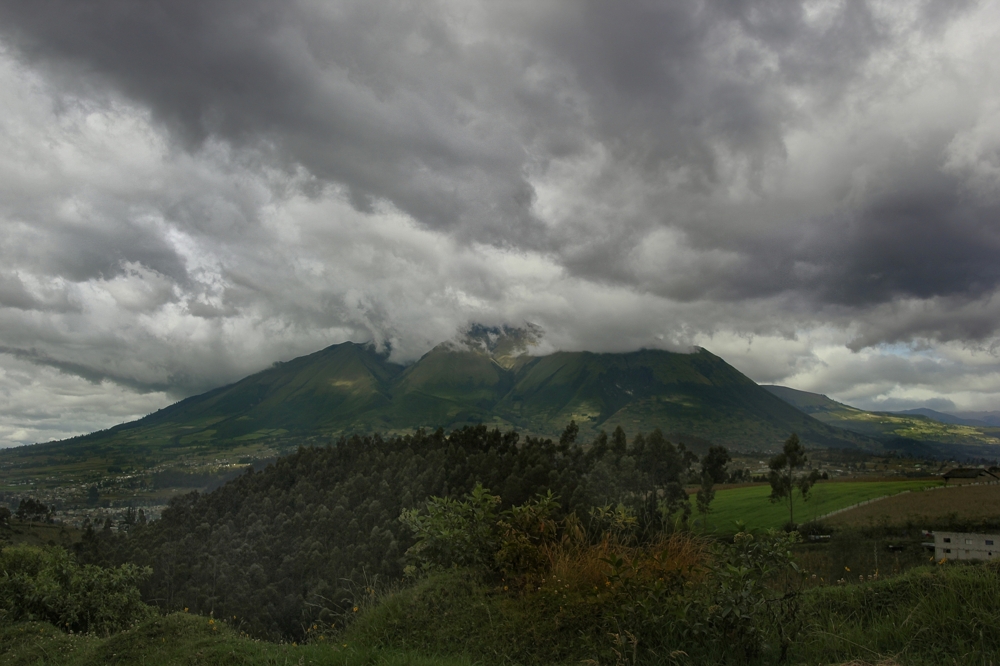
x: 501, y: 343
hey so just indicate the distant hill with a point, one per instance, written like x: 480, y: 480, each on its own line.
x: 942, y: 417
x: 939, y: 430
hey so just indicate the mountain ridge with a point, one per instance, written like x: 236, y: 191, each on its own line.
x: 895, y: 427
x: 488, y: 378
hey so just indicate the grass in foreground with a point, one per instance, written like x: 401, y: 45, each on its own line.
x: 752, y: 506
x: 925, y: 617
x: 933, y: 615
x: 190, y: 640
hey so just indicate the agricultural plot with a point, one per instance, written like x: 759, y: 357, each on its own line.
x: 970, y: 504
x: 752, y: 506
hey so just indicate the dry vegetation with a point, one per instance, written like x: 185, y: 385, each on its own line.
x: 972, y: 503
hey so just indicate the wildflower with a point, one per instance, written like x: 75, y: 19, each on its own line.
x: 355, y: 609
x: 847, y: 568
x: 185, y: 609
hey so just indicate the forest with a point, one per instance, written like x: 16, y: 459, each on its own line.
x: 287, y: 547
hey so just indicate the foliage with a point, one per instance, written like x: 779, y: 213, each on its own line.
x: 753, y: 594
x: 471, y: 533
x: 655, y: 594
x: 783, y: 479
x: 48, y: 585
x: 284, y: 548
x: 945, y: 614
x: 30, y: 510
x: 454, y: 532
x: 193, y: 640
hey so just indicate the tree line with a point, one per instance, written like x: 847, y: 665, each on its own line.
x: 278, y: 550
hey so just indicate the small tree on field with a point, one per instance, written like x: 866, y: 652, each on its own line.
x: 783, y: 478
x: 713, y: 470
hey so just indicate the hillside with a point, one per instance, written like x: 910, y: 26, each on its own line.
x: 916, y: 425
x: 483, y: 379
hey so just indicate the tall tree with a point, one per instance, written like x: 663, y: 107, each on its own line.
x: 783, y: 477
x: 714, y: 463
x: 713, y: 470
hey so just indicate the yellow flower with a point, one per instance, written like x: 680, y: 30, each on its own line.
x: 355, y: 609
x: 847, y: 568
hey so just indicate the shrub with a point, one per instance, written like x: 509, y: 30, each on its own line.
x: 48, y: 585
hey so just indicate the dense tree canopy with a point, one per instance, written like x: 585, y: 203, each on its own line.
x: 293, y: 545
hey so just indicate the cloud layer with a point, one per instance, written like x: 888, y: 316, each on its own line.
x: 190, y: 191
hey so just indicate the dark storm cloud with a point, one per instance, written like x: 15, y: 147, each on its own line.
x: 329, y: 86
x: 190, y: 190
x: 396, y: 103
x: 91, y: 374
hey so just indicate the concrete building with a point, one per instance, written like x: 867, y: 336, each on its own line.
x: 966, y: 546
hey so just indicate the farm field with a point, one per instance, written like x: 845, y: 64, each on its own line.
x: 970, y: 503
x: 751, y: 504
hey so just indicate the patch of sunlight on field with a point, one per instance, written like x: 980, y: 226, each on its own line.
x: 752, y: 506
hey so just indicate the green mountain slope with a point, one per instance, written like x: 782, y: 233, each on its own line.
x: 315, y: 392
x: 350, y: 387
x: 696, y: 394
x: 887, y: 425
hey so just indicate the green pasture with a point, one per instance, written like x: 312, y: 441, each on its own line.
x: 752, y: 505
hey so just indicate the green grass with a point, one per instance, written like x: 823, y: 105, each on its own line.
x: 752, y: 506
x: 927, y: 616
x: 190, y: 640
x: 939, y: 615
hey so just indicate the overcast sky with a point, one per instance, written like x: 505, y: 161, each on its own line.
x: 191, y: 190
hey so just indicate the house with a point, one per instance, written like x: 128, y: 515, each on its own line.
x: 970, y: 475
x: 966, y: 546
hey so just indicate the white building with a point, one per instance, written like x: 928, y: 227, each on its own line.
x: 966, y: 546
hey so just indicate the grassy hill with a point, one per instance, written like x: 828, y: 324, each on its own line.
x: 891, y: 425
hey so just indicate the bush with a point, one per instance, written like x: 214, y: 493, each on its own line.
x: 48, y: 585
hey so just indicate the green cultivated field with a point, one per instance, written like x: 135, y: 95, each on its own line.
x: 752, y: 506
